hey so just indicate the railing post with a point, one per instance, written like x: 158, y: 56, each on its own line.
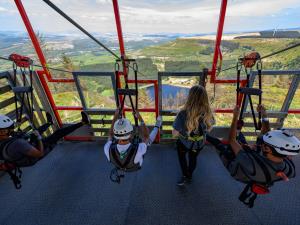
x: 218, y: 40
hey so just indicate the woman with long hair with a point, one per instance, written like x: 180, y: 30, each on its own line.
x: 190, y: 127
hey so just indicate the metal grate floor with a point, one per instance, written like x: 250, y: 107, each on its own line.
x: 71, y: 186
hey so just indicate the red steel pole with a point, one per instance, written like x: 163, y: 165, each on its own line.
x: 120, y: 35
x: 33, y: 37
x: 218, y: 40
x: 119, y: 27
x: 50, y: 98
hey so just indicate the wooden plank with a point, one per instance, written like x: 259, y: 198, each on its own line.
x: 5, y: 89
x: 169, y: 112
x: 272, y: 125
x: 12, y: 114
x: 4, y: 74
x: 101, y: 129
x: 166, y: 131
x: 100, y: 111
x: 100, y: 121
x: 167, y: 123
x: 27, y: 129
x: 39, y: 90
x: 271, y: 114
x: 7, y: 102
x: 251, y: 133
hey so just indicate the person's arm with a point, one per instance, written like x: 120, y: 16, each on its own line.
x: 177, y: 125
x: 111, y: 130
x: 143, y: 127
x: 235, y: 146
x: 175, y: 133
x: 106, y: 149
x: 265, y: 125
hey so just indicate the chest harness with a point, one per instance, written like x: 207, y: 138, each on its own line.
x: 123, y: 162
x: 255, y: 188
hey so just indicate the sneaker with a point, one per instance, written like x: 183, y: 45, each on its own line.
x: 85, y: 119
x: 182, y: 181
x: 49, y: 118
x: 188, y: 180
x: 158, y: 122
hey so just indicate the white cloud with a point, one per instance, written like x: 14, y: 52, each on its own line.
x: 3, y: 9
x: 103, y: 1
x: 150, y: 15
x: 259, y: 7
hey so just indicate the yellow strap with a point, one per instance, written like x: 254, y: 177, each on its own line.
x: 195, y: 138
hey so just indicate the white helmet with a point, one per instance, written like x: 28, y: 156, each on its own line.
x: 5, y: 122
x: 122, y: 129
x: 283, y: 141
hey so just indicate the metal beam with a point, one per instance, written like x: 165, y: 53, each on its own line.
x: 279, y: 72
x: 218, y: 40
x: 120, y: 35
x: 180, y: 74
x: 289, y: 97
x: 33, y: 37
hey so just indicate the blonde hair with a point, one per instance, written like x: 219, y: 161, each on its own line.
x: 197, y: 107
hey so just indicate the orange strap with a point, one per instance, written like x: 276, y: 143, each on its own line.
x: 250, y: 59
x: 21, y: 61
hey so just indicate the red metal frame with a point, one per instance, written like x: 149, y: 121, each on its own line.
x: 218, y: 41
x: 45, y: 71
x: 43, y: 61
x: 290, y: 111
x: 125, y: 71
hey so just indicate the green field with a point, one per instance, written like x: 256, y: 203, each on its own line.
x: 183, y: 55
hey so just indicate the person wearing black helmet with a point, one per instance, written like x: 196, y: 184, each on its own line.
x: 18, y: 151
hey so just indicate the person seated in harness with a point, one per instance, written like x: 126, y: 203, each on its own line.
x: 124, y: 150
x: 190, y: 127
x: 258, y: 169
x: 17, y: 151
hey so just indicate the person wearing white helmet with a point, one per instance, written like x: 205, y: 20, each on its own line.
x: 121, y: 149
x: 21, y: 152
x: 261, y: 165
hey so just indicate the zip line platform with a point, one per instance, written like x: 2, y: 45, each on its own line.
x: 71, y: 186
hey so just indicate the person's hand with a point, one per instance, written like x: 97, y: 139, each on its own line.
x: 261, y: 109
x: 236, y: 111
x: 37, y: 134
x: 117, y: 113
x: 137, y: 115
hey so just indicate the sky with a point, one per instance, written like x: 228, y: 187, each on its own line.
x: 153, y: 16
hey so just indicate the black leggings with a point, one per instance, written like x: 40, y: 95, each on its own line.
x: 224, y: 150
x: 49, y: 142
x: 187, y: 168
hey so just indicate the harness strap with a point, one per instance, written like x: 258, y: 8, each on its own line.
x: 252, y: 189
x: 15, y: 176
x: 247, y: 196
x: 248, y: 62
x: 197, y: 138
x: 26, y: 94
x: 118, y: 172
x: 132, y: 152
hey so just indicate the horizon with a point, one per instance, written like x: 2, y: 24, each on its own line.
x: 79, y: 33
x: 154, y: 16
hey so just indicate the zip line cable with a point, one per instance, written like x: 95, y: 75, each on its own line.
x: 59, y: 11
x: 79, y: 27
x: 269, y: 55
x: 50, y: 68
